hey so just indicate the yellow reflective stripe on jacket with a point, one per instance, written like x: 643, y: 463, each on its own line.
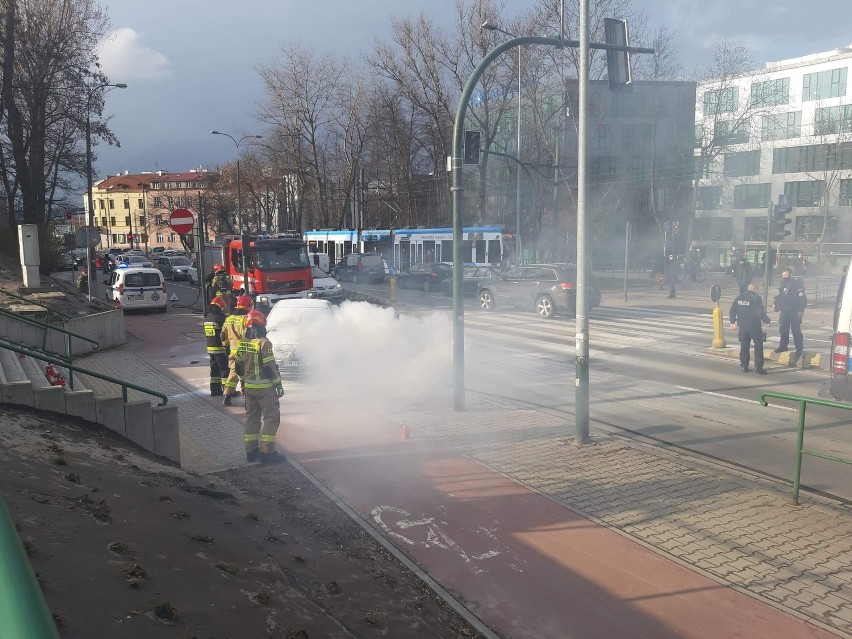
x: 259, y: 383
x: 267, y: 438
x: 215, y: 349
x: 250, y: 438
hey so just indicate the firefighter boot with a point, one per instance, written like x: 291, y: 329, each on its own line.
x: 227, y: 401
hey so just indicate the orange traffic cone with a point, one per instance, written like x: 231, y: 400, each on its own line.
x: 405, y: 431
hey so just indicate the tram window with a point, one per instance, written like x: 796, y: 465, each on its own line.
x: 467, y: 251
x: 495, y: 254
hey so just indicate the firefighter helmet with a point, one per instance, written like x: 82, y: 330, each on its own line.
x: 217, y: 268
x: 245, y: 302
x: 219, y: 301
x: 255, y: 318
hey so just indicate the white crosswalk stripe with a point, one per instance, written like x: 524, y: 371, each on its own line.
x: 609, y: 329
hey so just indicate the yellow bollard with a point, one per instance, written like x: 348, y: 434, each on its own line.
x: 718, y: 329
x: 392, y: 287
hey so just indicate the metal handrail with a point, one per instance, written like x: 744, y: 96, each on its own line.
x: 73, y: 367
x: 803, y: 402
x: 44, y: 325
x: 23, y: 611
x: 49, y: 310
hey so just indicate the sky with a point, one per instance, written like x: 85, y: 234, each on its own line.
x: 189, y: 65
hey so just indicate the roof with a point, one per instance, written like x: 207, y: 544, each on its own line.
x: 136, y: 181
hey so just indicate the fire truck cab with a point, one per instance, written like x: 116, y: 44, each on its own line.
x: 278, y: 267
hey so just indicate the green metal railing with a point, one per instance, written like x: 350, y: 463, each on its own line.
x: 800, y: 438
x: 18, y: 348
x: 23, y: 611
x: 48, y: 310
x: 69, y: 354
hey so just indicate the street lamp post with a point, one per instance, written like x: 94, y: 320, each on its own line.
x: 243, y: 236
x: 519, y: 257
x: 90, y: 274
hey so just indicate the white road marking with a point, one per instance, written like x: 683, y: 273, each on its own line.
x: 734, y: 397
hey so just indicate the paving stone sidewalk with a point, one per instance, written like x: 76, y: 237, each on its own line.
x: 731, y: 527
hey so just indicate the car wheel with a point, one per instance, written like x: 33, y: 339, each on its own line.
x: 427, y: 285
x: 544, y: 307
x: 486, y: 300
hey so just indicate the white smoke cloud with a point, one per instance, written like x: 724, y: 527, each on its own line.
x: 124, y: 58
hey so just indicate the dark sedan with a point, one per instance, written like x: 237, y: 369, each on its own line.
x: 471, y: 279
x: 426, y: 276
x: 547, y: 289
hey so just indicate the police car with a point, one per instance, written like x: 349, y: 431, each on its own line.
x: 136, y: 287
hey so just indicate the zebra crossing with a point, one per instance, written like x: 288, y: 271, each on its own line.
x: 610, y: 328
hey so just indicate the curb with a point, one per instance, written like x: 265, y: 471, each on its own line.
x: 809, y: 360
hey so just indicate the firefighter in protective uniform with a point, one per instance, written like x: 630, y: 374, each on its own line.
x: 217, y: 353
x: 232, y: 333
x: 262, y: 387
x: 222, y: 286
x: 746, y: 314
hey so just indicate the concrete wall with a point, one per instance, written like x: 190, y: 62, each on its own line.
x: 107, y: 328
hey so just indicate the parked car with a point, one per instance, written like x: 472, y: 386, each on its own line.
x: 133, y: 260
x: 65, y: 261
x: 426, y: 275
x: 174, y: 267
x: 287, y: 324
x: 360, y: 267
x: 325, y: 286
x: 471, y: 279
x: 547, y: 289
x: 841, y: 343
x: 137, y: 287
x: 193, y: 272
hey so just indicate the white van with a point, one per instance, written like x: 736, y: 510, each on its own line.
x: 841, y: 343
x: 137, y: 287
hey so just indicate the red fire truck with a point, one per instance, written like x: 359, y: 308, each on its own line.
x: 277, y: 266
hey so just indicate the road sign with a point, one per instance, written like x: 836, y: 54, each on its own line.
x: 181, y: 221
x: 87, y: 236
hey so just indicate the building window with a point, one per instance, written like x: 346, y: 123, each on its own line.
x: 158, y: 220
x: 732, y: 132
x: 825, y: 84
x: 713, y: 229
x: 845, y: 198
x: 158, y: 202
x: 815, y: 157
x: 172, y: 238
x: 140, y: 203
x: 836, y: 119
x: 127, y: 203
x: 751, y: 196
x: 636, y: 136
x: 141, y: 221
x: 127, y: 221
x: 709, y: 198
x: 187, y: 199
x: 114, y: 238
x: 170, y: 201
x: 101, y: 205
x: 742, y: 164
x: 755, y: 229
x: 770, y: 92
x: 808, y: 227
x: 112, y: 221
x: 112, y: 204
x: 702, y: 167
x: 103, y: 221
x: 805, y: 193
x: 699, y: 135
x: 781, y: 126
x: 159, y: 238
x: 721, y: 100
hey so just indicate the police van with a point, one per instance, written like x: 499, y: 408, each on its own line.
x: 841, y: 343
x: 137, y: 287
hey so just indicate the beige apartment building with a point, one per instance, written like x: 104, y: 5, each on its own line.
x: 132, y: 209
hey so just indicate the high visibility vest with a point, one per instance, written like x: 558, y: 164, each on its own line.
x: 257, y: 355
x: 213, y: 332
x: 232, y: 332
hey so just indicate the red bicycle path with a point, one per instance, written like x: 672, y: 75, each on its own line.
x: 525, y: 565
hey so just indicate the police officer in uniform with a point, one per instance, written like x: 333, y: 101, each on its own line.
x: 747, y: 313
x: 262, y: 387
x: 213, y: 323
x: 232, y: 333
x: 790, y: 302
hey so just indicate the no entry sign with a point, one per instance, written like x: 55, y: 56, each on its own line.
x: 181, y: 221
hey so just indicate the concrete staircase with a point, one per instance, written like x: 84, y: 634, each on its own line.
x: 23, y: 382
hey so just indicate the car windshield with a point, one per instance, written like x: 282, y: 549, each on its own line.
x: 282, y: 259
x: 132, y: 280
x: 180, y: 261
x: 372, y: 261
x: 135, y: 259
x: 317, y: 272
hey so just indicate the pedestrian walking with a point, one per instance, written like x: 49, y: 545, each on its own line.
x: 747, y: 316
x: 216, y: 352
x: 232, y: 334
x: 693, y: 260
x: 670, y: 275
x: 263, y: 389
x: 743, y: 273
x: 800, y: 265
x: 769, y: 259
x: 790, y: 302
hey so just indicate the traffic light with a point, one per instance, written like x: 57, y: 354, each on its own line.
x: 471, y: 147
x: 778, y: 229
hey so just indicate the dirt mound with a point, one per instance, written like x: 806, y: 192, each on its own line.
x: 124, y: 544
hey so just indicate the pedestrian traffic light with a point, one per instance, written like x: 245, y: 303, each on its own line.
x: 471, y: 147
x: 676, y: 228
x: 778, y: 229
